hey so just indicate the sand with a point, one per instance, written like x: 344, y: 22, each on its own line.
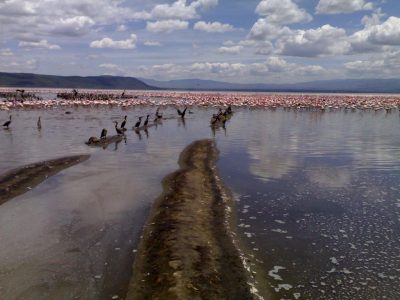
x: 186, y: 251
x: 25, y: 178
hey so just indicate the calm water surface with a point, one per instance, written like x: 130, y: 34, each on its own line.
x: 317, y: 198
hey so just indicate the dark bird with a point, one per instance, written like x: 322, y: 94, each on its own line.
x: 118, y: 130
x: 147, y: 120
x: 138, y: 122
x: 158, y: 116
x: 123, y: 122
x: 7, y: 124
x: 103, y: 134
x: 181, y: 113
x: 39, y: 124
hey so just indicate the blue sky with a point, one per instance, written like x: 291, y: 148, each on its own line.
x: 264, y: 41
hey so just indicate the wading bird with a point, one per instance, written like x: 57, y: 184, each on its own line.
x: 138, y: 122
x: 118, y: 130
x: 7, y: 124
x: 146, y: 121
x: 103, y: 134
x: 123, y: 122
x: 39, y: 124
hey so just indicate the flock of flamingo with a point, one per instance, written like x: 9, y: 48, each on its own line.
x: 9, y: 99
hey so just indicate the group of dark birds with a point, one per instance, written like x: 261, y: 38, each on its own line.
x: 218, y: 119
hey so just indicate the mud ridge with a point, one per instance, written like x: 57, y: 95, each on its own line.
x: 22, y: 179
x: 187, y: 251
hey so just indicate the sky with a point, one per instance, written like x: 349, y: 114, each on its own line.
x: 240, y: 41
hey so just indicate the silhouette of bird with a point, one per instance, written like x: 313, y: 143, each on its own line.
x: 123, y: 122
x: 7, y: 124
x: 138, y: 122
x: 39, y: 124
x: 181, y: 113
x: 147, y: 120
x: 118, y: 130
x: 103, y: 134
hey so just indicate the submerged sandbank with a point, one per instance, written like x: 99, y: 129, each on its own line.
x: 187, y: 251
x: 23, y: 179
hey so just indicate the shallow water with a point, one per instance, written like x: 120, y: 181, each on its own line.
x: 317, y: 197
x: 318, y: 200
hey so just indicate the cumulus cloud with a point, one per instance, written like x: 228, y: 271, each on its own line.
x: 213, y: 27
x: 382, y: 65
x: 106, y: 42
x: 42, y: 44
x: 282, y: 12
x: 18, y: 65
x: 264, y: 30
x: 112, y: 69
x: 152, y: 44
x: 167, y: 25
x: 324, y: 40
x: 178, y: 10
x: 376, y: 35
x: 230, y: 49
x: 342, y: 6
x: 47, y: 17
x: 75, y: 26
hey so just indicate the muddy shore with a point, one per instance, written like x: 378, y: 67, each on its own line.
x: 186, y: 251
x: 25, y: 178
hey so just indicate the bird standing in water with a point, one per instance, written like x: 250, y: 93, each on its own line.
x: 7, y: 124
x: 118, y: 130
x: 138, y: 123
x: 103, y: 134
x: 39, y: 124
x: 123, y: 122
x: 146, y: 121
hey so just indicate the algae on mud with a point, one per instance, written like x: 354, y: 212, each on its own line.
x: 186, y: 251
x: 22, y: 179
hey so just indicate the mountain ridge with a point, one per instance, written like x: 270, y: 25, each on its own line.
x: 27, y: 80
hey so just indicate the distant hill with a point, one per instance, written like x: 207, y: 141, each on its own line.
x: 333, y: 86
x: 118, y: 82
x: 52, y: 81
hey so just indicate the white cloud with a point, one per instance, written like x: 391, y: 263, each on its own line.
x: 342, y: 6
x: 42, y: 44
x: 178, y: 10
x: 48, y: 17
x: 324, y: 40
x: 263, y: 30
x: 75, y: 26
x: 230, y: 49
x: 121, y: 28
x: 376, y: 35
x: 18, y: 65
x: 382, y: 65
x: 152, y: 44
x: 167, y: 25
x: 112, y: 69
x: 282, y: 12
x: 213, y: 27
x: 106, y: 42
x: 6, y: 52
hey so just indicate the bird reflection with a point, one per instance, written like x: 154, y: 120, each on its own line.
x: 138, y: 134
x: 118, y: 142
x: 146, y: 132
x: 182, y: 122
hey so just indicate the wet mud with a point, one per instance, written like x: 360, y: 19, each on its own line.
x: 23, y: 179
x: 187, y: 251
